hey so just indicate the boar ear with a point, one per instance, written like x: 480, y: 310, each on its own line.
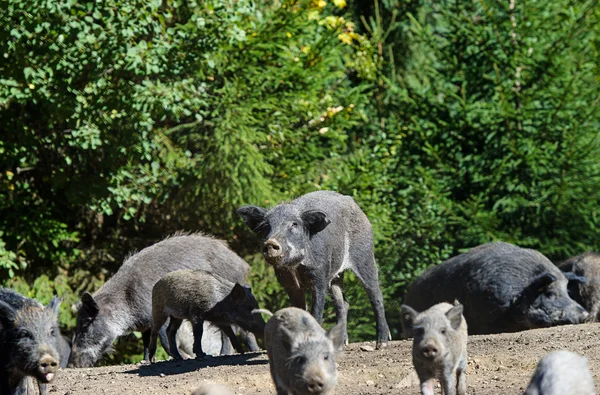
x: 89, y: 304
x: 287, y: 339
x: 454, y: 315
x: 575, y: 278
x: 54, y: 305
x: 315, y: 221
x: 337, y: 335
x: 238, y: 292
x: 252, y: 216
x: 407, y: 318
x: 7, y: 316
x: 541, y: 282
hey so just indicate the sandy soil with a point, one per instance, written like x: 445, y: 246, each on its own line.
x: 498, y: 365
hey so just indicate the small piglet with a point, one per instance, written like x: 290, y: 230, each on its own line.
x: 560, y: 373
x: 212, y: 389
x: 198, y: 295
x: 439, y: 346
x: 301, y: 353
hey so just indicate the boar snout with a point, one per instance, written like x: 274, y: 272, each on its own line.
x: 272, y: 248
x: 429, y: 350
x: 574, y: 315
x: 48, y: 366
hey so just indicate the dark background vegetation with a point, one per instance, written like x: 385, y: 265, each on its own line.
x: 450, y: 123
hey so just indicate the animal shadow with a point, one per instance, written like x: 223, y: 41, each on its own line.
x: 173, y: 367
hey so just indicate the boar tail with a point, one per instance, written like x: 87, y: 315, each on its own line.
x: 263, y: 311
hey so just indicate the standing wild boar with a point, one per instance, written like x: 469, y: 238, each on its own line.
x: 198, y: 295
x: 29, y: 336
x: 562, y: 373
x: 583, y: 272
x: 504, y: 288
x: 310, y: 242
x: 301, y: 353
x: 124, y: 303
x: 439, y: 346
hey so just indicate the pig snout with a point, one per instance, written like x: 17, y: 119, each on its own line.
x: 315, y: 385
x: 48, y: 365
x: 272, y: 249
x: 575, y: 315
x: 429, y: 350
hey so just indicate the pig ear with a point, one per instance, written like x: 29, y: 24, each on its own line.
x: 407, y: 318
x: 541, y: 282
x: 315, y: 221
x: 7, y: 315
x: 337, y: 335
x: 238, y: 292
x: 54, y: 305
x: 288, y: 340
x: 253, y: 216
x: 454, y: 315
x: 575, y: 278
x: 89, y: 304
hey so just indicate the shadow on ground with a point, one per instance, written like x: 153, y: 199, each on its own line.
x: 172, y: 367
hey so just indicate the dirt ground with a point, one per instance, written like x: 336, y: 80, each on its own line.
x: 498, y: 364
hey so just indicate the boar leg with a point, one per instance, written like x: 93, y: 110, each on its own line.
x: 198, y: 330
x: 172, y: 337
x: 427, y: 386
x: 461, y: 378
x: 366, y: 271
x: 341, y: 306
x: 448, y: 383
x: 250, y: 340
x: 226, y: 348
x: 232, y: 337
x: 43, y: 388
x: 319, y: 291
x: 290, y: 283
x: 158, y: 320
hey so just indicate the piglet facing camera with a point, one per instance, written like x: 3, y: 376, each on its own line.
x: 302, y: 355
x: 439, y: 346
x: 29, y: 342
x: 560, y: 373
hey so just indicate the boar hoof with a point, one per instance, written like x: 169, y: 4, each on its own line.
x: 381, y: 345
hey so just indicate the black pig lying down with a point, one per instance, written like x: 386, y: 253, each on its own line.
x: 310, y: 242
x: 504, y: 288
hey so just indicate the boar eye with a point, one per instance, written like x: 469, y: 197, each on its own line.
x: 23, y: 334
x: 294, y: 224
x: 443, y: 331
x: 52, y: 332
x: 551, y: 295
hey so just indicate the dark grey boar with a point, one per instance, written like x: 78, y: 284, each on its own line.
x: 561, y: 373
x: 29, y: 336
x: 583, y: 273
x: 439, y: 346
x: 198, y: 295
x: 301, y: 353
x: 310, y: 242
x: 212, y: 389
x: 503, y: 288
x: 124, y: 303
